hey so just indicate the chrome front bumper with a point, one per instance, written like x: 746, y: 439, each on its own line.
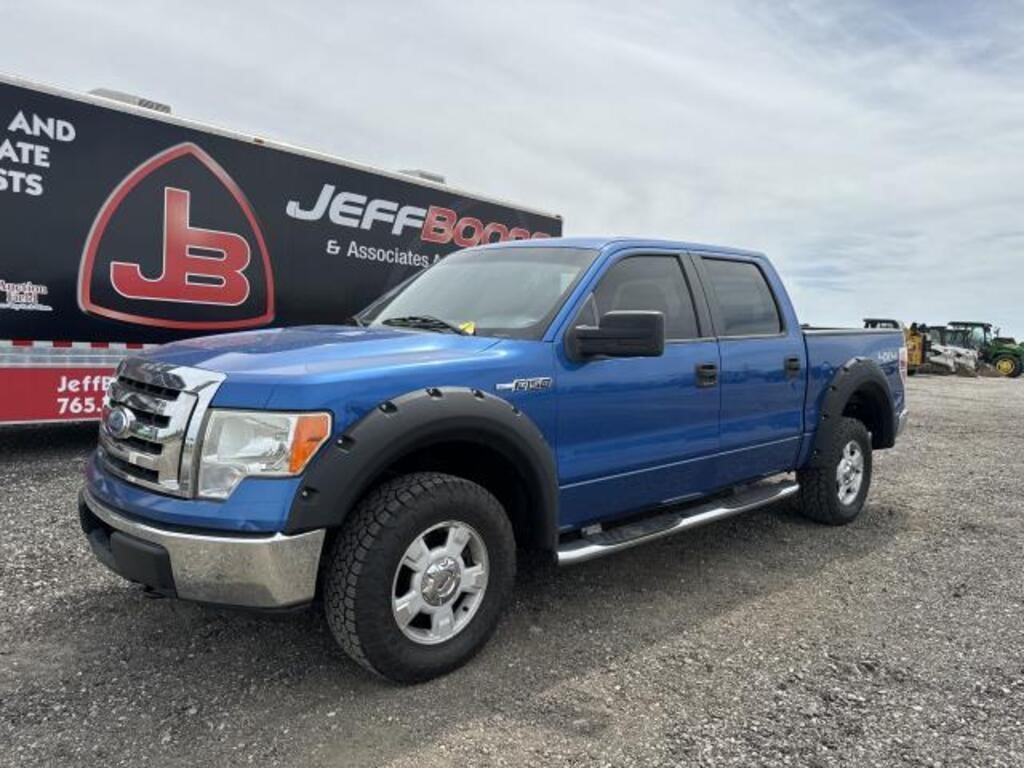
x: 253, y: 571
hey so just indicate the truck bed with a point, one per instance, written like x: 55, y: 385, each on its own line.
x: 830, y: 348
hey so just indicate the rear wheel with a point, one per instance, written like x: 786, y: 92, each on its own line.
x: 834, y: 486
x: 1007, y: 365
x: 417, y: 578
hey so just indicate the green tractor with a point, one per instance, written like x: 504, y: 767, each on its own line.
x: 1002, y: 353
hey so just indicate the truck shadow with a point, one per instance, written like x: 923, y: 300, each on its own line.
x: 214, y: 678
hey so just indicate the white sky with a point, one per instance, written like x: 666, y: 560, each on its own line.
x: 875, y: 150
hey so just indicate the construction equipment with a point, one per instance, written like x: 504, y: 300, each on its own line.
x: 1001, y: 352
x: 946, y: 350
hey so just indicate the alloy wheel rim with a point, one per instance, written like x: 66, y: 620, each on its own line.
x: 440, y: 582
x: 849, y: 473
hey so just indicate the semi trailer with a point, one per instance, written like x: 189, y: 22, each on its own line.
x: 126, y: 227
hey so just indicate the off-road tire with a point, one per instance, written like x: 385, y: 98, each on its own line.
x: 361, y: 562
x: 819, y: 497
x: 1014, y: 372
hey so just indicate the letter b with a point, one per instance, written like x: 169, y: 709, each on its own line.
x: 439, y: 225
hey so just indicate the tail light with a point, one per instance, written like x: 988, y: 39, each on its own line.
x: 903, y: 365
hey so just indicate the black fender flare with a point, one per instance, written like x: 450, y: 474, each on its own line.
x: 858, y: 375
x: 351, y: 464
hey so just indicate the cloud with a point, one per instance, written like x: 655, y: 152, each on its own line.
x: 872, y: 149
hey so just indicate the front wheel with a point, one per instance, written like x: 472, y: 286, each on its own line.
x: 834, y: 485
x: 418, y: 576
x: 1007, y: 365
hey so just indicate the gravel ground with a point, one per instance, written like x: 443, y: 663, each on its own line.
x: 762, y: 640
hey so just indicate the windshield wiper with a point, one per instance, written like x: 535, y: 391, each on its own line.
x: 426, y: 322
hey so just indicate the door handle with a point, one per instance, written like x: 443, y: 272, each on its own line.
x: 793, y: 365
x: 707, y: 375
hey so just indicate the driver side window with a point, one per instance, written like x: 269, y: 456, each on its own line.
x: 652, y: 283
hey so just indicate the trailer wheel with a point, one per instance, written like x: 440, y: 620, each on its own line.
x: 834, y: 485
x: 417, y: 578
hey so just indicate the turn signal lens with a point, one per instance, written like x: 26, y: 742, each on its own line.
x: 311, y: 430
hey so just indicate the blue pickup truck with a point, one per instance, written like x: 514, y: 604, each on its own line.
x: 578, y: 396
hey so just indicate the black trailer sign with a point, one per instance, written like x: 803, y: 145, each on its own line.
x: 121, y: 226
x: 133, y: 228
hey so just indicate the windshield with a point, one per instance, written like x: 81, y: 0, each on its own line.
x: 509, y: 292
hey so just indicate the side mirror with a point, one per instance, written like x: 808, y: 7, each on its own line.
x: 620, y: 334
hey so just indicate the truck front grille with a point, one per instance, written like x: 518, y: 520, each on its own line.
x: 152, y: 441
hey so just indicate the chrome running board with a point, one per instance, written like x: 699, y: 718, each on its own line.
x: 629, y: 535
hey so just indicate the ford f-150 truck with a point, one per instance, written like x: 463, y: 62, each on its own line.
x: 580, y: 396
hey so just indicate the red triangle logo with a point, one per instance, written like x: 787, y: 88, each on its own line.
x: 206, y: 268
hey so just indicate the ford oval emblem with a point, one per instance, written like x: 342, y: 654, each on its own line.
x: 119, y: 421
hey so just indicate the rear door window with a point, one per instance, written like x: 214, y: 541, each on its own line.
x: 746, y: 304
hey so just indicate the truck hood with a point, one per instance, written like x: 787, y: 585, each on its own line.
x: 314, y: 351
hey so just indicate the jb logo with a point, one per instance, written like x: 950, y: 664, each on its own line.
x: 178, y: 245
x: 189, y: 275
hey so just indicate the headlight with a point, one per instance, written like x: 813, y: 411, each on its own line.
x: 239, y: 444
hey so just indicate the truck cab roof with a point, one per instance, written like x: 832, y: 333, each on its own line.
x: 600, y: 243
